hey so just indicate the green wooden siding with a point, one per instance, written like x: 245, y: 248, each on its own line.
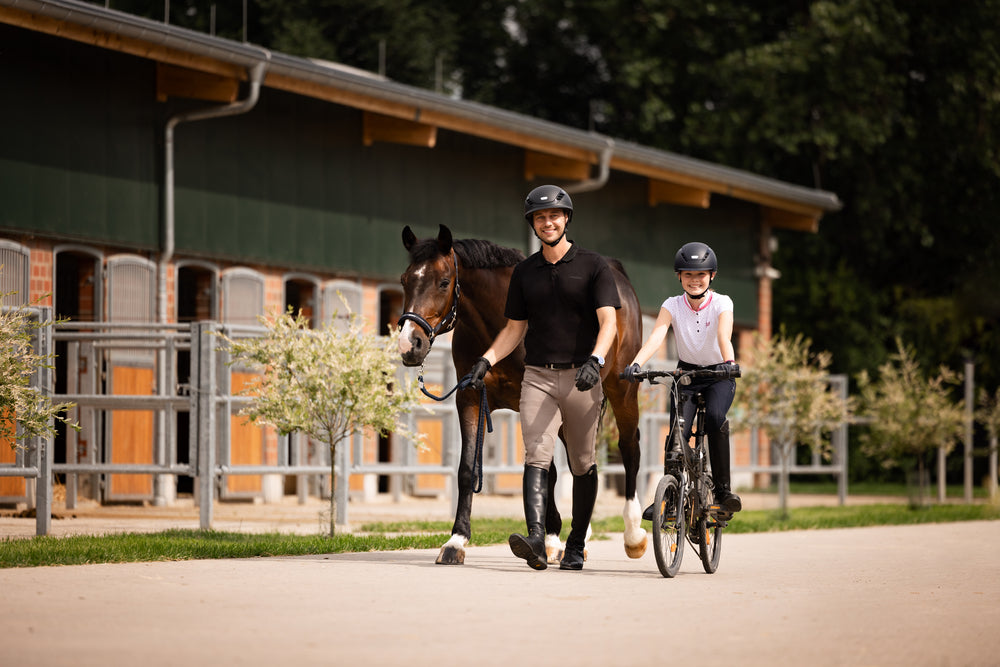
x: 78, y: 157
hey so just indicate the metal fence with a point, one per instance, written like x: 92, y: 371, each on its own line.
x: 192, y: 374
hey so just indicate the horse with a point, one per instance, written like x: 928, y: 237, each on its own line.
x: 461, y: 285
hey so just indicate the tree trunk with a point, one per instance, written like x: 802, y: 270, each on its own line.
x: 333, y: 487
x: 784, y: 451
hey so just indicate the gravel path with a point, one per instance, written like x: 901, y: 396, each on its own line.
x: 906, y: 595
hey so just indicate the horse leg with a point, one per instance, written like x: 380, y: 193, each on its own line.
x: 553, y: 521
x: 626, y: 408
x: 453, y: 551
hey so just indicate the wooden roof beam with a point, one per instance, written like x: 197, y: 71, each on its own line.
x: 776, y: 217
x: 664, y: 192
x: 173, y: 81
x: 546, y: 165
x: 379, y: 127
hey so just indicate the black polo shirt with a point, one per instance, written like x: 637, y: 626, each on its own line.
x: 560, y: 301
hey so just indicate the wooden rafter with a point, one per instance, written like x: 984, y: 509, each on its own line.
x: 379, y: 127
x: 663, y: 192
x: 545, y: 165
x: 777, y: 217
x: 173, y: 81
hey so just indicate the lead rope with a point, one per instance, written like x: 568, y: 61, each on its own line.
x: 484, y: 410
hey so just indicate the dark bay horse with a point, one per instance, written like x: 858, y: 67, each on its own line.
x: 462, y: 286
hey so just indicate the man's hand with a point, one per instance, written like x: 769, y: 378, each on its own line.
x: 588, y: 375
x: 478, y: 372
x: 630, y: 372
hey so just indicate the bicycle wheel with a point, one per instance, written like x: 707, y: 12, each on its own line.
x: 710, y: 544
x: 668, y: 525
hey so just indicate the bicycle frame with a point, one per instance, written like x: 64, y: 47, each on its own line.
x: 684, y: 509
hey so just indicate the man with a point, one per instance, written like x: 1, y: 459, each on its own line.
x: 561, y: 302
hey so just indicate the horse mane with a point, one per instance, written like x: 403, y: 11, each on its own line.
x: 474, y: 253
x: 616, y: 264
x: 479, y: 254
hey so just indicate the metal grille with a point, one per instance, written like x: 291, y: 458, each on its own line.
x: 131, y: 298
x: 14, y: 274
x: 242, y: 296
x: 131, y: 289
x: 334, y: 310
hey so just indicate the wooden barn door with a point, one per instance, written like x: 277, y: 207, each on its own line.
x: 242, y: 303
x: 14, y: 286
x: 131, y: 371
x: 15, y: 260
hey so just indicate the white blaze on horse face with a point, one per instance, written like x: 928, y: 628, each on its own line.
x: 405, y: 337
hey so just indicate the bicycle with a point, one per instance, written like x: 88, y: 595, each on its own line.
x: 684, y: 507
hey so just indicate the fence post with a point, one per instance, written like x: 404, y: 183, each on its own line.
x: 203, y: 404
x: 44, y: 451
x: 970, y: 400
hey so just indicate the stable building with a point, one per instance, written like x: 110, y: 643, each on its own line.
x: 154, y: 175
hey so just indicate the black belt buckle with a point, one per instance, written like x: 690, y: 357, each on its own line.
x: 561, y: 367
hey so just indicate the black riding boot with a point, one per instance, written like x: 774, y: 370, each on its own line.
x: 718, y: 454
x: 535, y: 491
x: 584, y: 497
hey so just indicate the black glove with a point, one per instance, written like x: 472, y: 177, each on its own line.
x: 734, y: 369
x: 630, y: 372
x: 589, y: 375
x: 478, y: 372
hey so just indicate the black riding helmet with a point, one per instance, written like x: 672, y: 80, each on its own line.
x: 547, y: 196
x: 695, y: 256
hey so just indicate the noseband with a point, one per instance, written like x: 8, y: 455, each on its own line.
x: 447, y: 323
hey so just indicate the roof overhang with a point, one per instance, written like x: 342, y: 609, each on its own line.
x: 196, y: 65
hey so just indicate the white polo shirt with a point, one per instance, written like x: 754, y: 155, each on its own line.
x: 697, y: 331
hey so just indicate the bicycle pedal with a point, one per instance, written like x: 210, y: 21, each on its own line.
x: 721, y: 516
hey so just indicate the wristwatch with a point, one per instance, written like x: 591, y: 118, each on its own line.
x: 599, y: 358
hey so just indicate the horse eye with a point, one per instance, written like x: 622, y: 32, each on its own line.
x: 402, y: 280
x: 444, y: 283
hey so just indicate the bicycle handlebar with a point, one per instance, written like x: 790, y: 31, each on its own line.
x: 731, y: 372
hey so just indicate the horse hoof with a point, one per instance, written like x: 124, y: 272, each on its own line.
x: 637, y: 550
x: 450, y: 555
x: 553, y: 555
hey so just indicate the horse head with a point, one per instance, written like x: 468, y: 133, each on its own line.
x: 430, y: 294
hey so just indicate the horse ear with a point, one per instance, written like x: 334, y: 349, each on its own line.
x: 444, y: 239
x: 408, y: 237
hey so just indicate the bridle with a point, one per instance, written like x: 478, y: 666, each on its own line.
x: 448, y: 322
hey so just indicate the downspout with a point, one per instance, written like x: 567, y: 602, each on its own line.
x: 256, y: 75
x: 587, y: 185
x: 161, y: 496
x: 602, y: 175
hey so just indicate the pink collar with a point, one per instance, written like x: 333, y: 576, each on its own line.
x: 703, y: 306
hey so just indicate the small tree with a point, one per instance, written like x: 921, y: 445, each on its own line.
x: 988, y: 414
x: 326, y: 383
x: 785, y: 392
x: 910, y: 413
x: 33, y: 412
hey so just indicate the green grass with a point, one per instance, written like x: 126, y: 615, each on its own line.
x: 173, y: 545
x: 829, y: 487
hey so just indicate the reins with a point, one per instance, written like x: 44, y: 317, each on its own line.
x: 484, y: 410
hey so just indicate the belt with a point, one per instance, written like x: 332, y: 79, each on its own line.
x: 559, y: 367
